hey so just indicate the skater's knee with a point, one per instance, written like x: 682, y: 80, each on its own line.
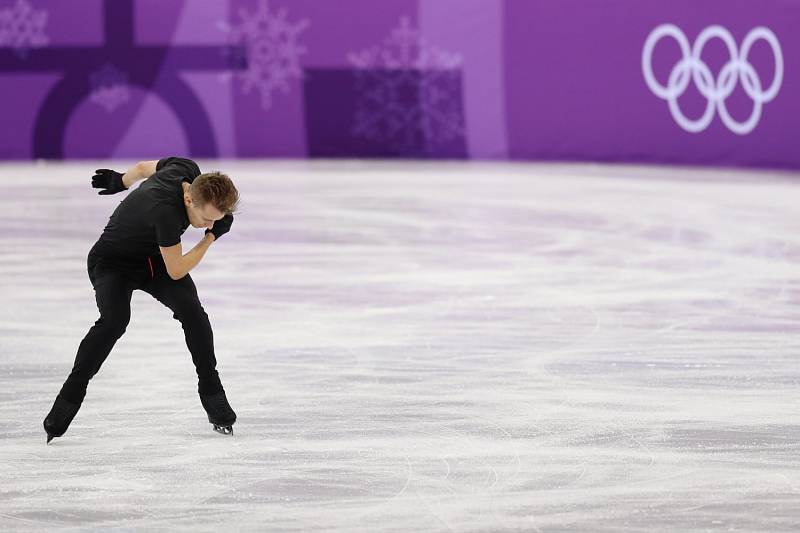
x: 191, y: 314
x: 114, y: 324
x: 117, y: 329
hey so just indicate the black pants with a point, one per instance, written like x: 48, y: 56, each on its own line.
x: 114, y: 279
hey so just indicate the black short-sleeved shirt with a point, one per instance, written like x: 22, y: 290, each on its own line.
x: 153, y: 214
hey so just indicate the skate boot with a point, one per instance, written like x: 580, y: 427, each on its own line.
x: 59, y: 418
x: 219, y: 412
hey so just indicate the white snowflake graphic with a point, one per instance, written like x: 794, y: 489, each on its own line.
x: 22, y: 27
x: 273, y: 53
x: 407, y: 92
x: 109, y: 87
x: 405, y: 48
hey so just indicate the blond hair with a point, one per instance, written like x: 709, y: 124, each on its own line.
x: 215, y: 188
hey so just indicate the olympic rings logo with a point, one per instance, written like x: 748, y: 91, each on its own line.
x: 716, y: 91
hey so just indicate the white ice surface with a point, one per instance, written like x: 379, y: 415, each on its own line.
x: 421, y: 347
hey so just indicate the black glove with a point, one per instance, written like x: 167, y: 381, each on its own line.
x: 110, y: 180
x: 221, y: 226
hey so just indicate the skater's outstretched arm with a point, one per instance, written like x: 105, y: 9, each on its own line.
x: 112, y: 182
x: 140, y: 171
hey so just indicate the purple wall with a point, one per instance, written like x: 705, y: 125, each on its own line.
x: 686, y: 81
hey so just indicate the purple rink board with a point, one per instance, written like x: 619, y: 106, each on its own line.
x: 682, y: 82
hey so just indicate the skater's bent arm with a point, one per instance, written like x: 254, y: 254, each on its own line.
x: 140, y: 171
x: 178, y: 265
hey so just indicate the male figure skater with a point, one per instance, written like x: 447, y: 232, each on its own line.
x: 140, y: 248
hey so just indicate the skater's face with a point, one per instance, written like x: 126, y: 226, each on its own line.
x: 201, y: 216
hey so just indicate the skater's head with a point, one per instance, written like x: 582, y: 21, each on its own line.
x: 209, y: 198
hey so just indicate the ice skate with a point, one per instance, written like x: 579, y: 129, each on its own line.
x: 225, y: 430
x: 219, y: 412
x: 59, y: 418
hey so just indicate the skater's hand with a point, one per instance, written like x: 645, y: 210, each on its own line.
x: 221, y: 226
x: 110, y: 180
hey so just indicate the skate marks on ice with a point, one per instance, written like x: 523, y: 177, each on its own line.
x: 422, y: 347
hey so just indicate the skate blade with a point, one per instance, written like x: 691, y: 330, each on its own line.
x: 225, y: 430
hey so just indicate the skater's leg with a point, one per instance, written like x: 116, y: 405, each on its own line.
x: 180, y: 296
x: 113, y: 294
